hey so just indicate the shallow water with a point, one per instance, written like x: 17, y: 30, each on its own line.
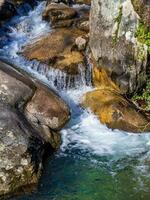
x: 94, y: 162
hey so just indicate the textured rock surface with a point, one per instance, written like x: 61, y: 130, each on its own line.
x: 59, y: 14
x: 81, y: 43
x: 142, y: 7
x: 48, y: 109
x: 115, y: 111
x: 26, y: 137
x: 61, y: 56
x: 113, y: 25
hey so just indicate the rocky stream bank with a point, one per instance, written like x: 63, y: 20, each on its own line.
x: 112, y: 37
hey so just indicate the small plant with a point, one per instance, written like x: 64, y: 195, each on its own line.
x: 143, y: 35
x: 144, y: 96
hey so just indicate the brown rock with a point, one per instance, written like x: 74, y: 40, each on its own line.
x: 47, y: 108
x: 61, y: 56
x: 58, y: 12
x: 61, y: 15
x: 115, y: 111
x: 87, y: 2
x: 101, y: 79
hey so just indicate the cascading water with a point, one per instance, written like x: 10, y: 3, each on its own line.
x: 94, y: 162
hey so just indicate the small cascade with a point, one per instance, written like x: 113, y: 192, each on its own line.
x: 60, y: 79
x: 84, y: 138
x: 24, y: 29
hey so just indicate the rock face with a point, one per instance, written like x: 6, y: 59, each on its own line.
x: 116, y: 111
x: 114, y: 39
x: 30, y: 114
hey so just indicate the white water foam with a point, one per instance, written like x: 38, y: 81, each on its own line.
x: 88, y: 133
x: 23, y: 29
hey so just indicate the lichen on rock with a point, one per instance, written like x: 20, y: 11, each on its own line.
x: 25, y: 141
x: 114, y: 44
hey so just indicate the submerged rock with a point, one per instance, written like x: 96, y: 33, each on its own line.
x: 28, y: 117
x: 115, y: 43
x: 116, y: 111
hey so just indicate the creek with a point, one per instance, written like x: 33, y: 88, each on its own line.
x: 93, y: 162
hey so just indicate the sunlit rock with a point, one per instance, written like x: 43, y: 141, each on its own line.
x: 56, y: 50
x: 116, y: 111
x: 59, y: 15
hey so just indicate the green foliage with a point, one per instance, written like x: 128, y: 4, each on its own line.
x: 144, y: 96
x: 143, y: 35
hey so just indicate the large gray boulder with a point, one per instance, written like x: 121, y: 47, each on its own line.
x: 116, y: 29
x: 29, y: 119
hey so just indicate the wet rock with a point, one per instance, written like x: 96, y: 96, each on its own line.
x: 59, y: 15
x: 67, y: 2
x: 114, y: 44
x: 80, y: 43
x: 26, y: 135
x: 86, y: 2
x: 116, y: 111
x: 84, y: 25
x: 62, y: 56
x: 7, y: 10
x: 100, y: 78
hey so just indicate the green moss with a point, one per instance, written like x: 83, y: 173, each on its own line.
x: 143, y: 35
x: 118, y: 21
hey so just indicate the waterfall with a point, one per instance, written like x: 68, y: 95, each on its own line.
x: 25, y: 29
